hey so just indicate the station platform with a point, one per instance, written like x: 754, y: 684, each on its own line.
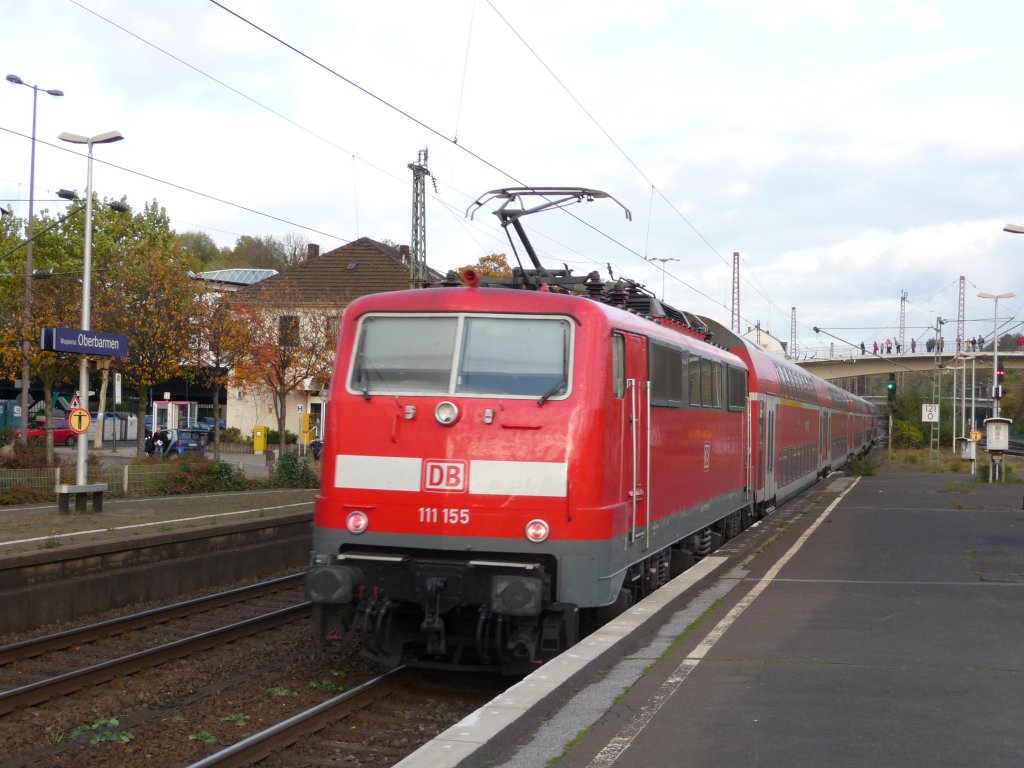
x: 872, y: 621
x: 32, y: 527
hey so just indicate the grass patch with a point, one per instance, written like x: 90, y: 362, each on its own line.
x: 103, y: 732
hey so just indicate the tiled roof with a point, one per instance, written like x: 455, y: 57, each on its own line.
x: 336, y: 277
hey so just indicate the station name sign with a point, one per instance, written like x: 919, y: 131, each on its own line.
x: 78, y: 342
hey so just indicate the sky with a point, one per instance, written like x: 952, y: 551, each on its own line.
x: 850, y: 151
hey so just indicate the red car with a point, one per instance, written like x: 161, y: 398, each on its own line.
x: 62, y: 432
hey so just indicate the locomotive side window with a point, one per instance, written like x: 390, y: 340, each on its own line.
x: 536, y: 364
x: 618, y: 365
x: 707, y: 394
x: 403, y: 354
x: 693, y: 374
x: 666, y: 375
x: 716, y: 385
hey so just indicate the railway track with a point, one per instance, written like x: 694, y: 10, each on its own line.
x: 169, y: 686
x: 18, y: 660
x: 399, y: 710
x: 286, y: 733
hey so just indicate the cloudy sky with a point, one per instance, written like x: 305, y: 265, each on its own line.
x: 849, y: 150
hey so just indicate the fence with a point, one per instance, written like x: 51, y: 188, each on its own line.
x: 127, y: 480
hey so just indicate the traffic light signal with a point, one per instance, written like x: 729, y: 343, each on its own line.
x: 891, y: 386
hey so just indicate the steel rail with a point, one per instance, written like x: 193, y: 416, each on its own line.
x: 287, y: 732
x: 27, y: 649
x: 61, y: 685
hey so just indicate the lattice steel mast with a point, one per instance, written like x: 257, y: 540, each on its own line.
x: 418, y: 244
x: 735, y: 292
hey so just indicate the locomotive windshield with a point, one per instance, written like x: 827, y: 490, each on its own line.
x: 508, y: 356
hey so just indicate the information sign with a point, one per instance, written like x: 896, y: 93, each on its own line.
x: 79, y: 420
x: 930, y: 413
x: 94, y: 343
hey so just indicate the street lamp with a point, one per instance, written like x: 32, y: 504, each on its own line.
x: 27, y: 325
x: 81, y: 477
x: 995, y: 342
x: 663, y: 261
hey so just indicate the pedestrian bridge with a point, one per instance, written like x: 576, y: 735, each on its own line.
x: 856, y: 364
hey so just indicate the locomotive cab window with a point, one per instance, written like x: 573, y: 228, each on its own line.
x: 508, y: 356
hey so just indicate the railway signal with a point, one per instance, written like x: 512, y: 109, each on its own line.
x: 1000, y: 375
x: 891, y: 388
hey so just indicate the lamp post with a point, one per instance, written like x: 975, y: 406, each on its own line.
x: 995, y: 342
x: 27, y: 325
x: 663, y: 261
x: 81, y: 476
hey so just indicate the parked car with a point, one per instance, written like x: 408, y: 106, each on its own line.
x: 208, y: 422
x: 186, y: 442
x: 62, y: 432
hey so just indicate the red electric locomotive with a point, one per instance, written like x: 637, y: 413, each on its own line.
x: 500, y: 465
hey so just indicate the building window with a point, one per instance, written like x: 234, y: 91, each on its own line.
x: 288, y: 330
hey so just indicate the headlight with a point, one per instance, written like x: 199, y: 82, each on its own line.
x: 537, y: 531
x: 446, y: 413
x: 357, y: 521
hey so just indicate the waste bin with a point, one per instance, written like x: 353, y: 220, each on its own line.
x: 259, y: 438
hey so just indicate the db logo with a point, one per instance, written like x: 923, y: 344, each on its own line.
x: 447, y: 476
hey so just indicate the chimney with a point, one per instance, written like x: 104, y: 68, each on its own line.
x: 312, y: 251
x: 403, y: 251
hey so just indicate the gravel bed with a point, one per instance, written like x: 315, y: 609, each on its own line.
x: 177, y: 713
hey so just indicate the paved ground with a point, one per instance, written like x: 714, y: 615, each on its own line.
x: 873, y: 622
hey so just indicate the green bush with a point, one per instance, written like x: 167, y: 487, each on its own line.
x: 23, y: 494
x: 228, y: 477
x: 906, y: 435
x: 31, y: 455
x: 192, y: 474
x: 273, y: 437
x: 860, y: 466
x: 293, y: 471
x: 230, y: 435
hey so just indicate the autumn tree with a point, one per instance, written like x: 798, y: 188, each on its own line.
x: 288, y: 345
x: 57, y: 301
x: 200, y: 248
x: 259, y: 253
x: 222, y: 339
x: 491, y: 265
x: 295, y: 247
x: 12, y: 268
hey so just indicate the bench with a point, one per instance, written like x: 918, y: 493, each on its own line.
x: 81, y: 494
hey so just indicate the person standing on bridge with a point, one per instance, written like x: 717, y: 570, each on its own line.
x: 888, y: 346
x: 875, y: 347
x: 864, y: 351
x: 1020, y: 342
x: 913, y: 345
